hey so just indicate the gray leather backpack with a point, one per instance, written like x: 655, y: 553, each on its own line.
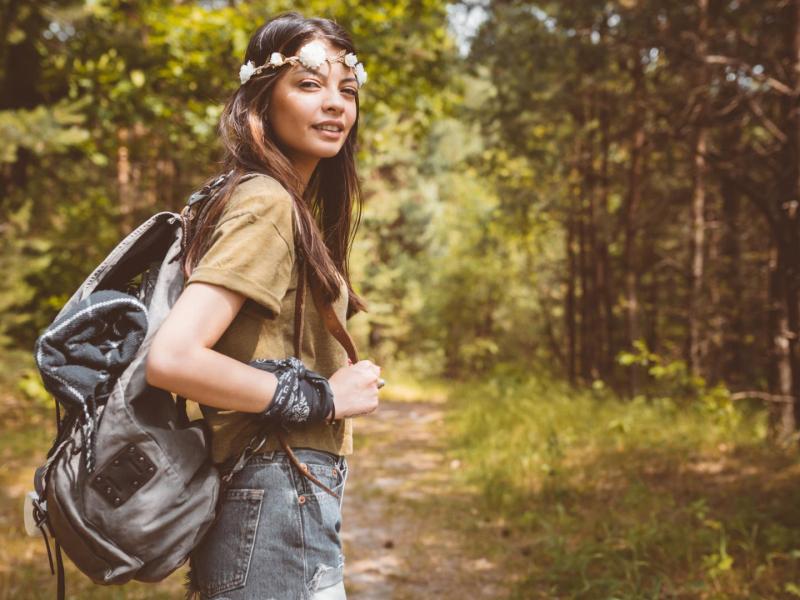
x: 128, y: 488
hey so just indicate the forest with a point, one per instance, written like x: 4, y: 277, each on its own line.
x: 579, y: 246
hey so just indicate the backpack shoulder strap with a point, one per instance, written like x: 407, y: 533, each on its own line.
x: 334, y: 325
x: 195, y: 204
x: 209, y: 191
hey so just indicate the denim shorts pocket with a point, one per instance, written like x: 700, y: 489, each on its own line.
x: 222, y: 559
x: 329, y: 475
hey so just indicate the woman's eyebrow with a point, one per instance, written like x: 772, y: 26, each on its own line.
x: 304, y: 71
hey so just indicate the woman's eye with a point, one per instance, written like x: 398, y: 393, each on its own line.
x: 309, y: 84
x: 353, y: 92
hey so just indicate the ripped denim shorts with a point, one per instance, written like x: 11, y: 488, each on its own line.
x: 277, y: 533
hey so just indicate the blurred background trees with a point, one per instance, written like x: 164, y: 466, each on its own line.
x: 607, y: 191
x: 659, y: 140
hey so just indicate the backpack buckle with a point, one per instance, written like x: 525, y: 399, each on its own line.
x: 124, y: 475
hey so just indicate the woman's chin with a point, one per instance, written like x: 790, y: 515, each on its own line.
x: 329, y: 152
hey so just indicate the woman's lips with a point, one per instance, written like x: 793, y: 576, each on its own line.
x: 330, y: 135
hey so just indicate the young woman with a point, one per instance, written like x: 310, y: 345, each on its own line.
x: 268, y: 270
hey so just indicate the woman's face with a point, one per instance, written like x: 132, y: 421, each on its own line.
x: 305, y: 102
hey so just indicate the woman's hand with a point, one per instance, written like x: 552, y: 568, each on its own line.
x: 355, y: 389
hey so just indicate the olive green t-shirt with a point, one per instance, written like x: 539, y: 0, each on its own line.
x: 252, y: 253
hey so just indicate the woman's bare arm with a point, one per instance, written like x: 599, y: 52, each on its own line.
x: 182, y: 361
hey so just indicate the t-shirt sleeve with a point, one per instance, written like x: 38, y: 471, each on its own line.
x: 252, y: 249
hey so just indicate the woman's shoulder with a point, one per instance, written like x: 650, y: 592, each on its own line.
x: 260, y: 196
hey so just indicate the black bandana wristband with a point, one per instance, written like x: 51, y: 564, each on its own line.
x: 301, y: 396
x: 316, y: 386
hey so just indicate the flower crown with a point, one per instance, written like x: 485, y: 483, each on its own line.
x: 311, y: 56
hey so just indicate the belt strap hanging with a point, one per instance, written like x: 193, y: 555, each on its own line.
x: 336, y: 329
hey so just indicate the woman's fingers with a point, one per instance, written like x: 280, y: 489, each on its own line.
x: 370, y: 366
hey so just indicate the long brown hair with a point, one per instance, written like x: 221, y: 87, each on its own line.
x: 332, y: 194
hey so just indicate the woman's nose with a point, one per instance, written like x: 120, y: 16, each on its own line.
x: 333, y: 101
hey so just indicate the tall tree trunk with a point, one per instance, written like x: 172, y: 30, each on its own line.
x: 633, y: 200
x: 785, y: 322
x: 592, y: 332
x: 605, y: 291
x: 732, y: 325
x: 569, y: 309
x: 791, y: 257
x: 782, y: 422
x: 696, y: 342
x: 696, y: 313
x: 713, y: 342
x: 21, y: 72
x: 653, y: 295
x: 587, y: 332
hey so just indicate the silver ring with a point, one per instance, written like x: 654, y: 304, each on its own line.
x: 381, y: 382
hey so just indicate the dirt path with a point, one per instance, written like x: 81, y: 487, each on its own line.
x: 409, y: 532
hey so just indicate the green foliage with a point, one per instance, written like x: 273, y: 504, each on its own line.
x: 125, y: 102
x: 43, y: 130
x: 669, y: 377
x: 627, y: 499
x: 455, y: 289
x: 45, y: 256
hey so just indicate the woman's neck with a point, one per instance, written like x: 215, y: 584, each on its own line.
x: 305, y: 169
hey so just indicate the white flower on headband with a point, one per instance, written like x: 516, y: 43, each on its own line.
x: 361, y: 74
x: 246, y: 71
x: 312, y: 55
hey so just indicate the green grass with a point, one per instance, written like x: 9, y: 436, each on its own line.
x: 642, y: 499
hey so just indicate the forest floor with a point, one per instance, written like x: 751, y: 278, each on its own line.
x: 410, y: 529
x: 511, y: 490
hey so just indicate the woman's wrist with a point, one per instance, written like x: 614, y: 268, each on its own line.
x: 301, y: 396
